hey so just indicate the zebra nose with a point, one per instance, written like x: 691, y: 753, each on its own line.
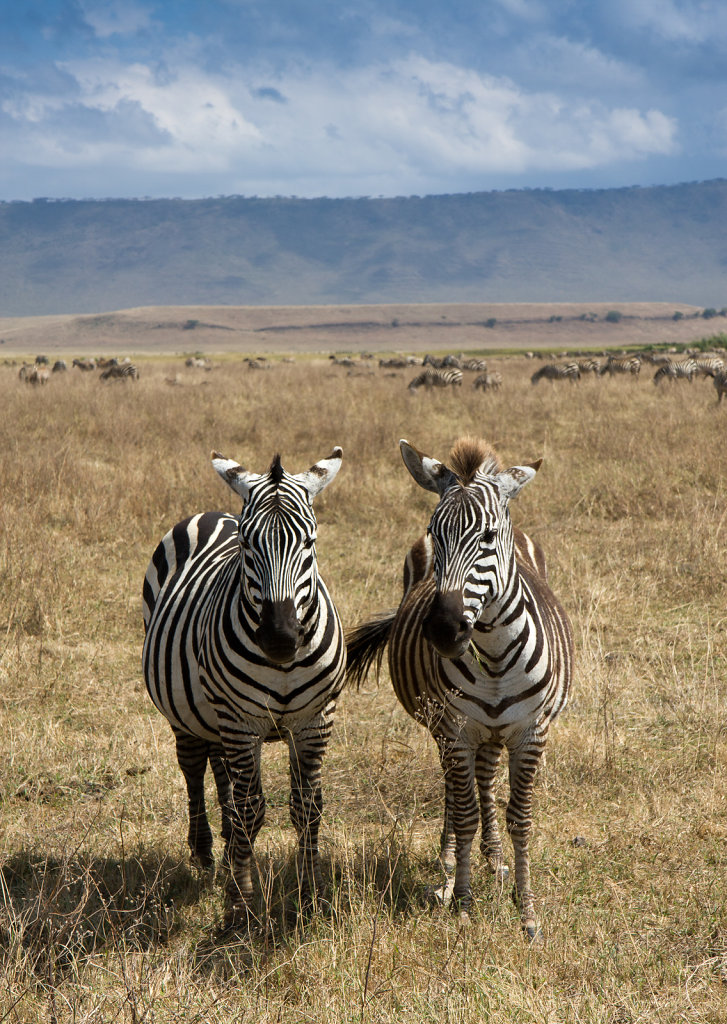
x: 445, y: 626
x: 280, y: 633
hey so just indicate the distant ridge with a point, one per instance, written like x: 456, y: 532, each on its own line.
x: 664, y: 243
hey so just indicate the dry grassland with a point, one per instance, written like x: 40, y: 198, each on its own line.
x: 102, y: 919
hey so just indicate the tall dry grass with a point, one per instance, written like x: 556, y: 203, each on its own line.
x: 102, y: 920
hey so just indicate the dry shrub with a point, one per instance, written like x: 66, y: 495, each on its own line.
x: 102, y: 919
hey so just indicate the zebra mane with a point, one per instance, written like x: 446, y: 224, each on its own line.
x: 469, y: 454
x: 276, y: 470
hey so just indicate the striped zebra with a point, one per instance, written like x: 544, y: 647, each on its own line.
x: 557, y: 371
x: 244, y: 645
x: 475, y: 365
x: 589, y: 366
x: 720, y: 383
x: 621, y: 364
x: 430, y: 378
x: 707, y: 366
x: 488, y: 381
x: 683, y: 369
x: 480, y: 652
x: 120, y: 371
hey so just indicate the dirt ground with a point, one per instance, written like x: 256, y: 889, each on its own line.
x: 290, y: 330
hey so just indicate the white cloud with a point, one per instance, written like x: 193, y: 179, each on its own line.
x: 686, y: 21
x: 413, y: 121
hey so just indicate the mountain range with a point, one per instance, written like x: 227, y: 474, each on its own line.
x: 656, y: 244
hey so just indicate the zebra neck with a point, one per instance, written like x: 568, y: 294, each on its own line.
x: 503, y: 618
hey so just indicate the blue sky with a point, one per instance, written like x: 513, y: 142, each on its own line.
x: 102, y: 98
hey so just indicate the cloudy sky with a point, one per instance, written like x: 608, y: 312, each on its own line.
x: 195, y: 98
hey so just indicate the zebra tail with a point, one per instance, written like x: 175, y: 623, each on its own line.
x: 365, y: 645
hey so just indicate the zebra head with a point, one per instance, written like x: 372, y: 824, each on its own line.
x: 471, y: 535
x: 277, y: 534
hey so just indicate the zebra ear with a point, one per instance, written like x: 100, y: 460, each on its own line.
x: 428, y: 473
x: 511, y: 481
x: 234, y: 475
x: 322, y: 474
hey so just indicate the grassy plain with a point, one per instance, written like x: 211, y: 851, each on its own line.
x: 102, y: 919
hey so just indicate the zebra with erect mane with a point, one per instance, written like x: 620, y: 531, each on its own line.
x: 429, y: 378
x: 682, y: 369
x: 480, y: 652
x: 244, y: 645
x: 557, y: 371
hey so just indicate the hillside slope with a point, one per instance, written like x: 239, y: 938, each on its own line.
x: 633, y: 244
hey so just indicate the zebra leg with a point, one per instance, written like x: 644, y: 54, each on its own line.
x: 224, y: 795
x: 447, y: 843
x: 307, y: 747
x: 458, y: 763
x: 488, y: 757
x: 192, y: 754
x: 247, y: 813
x: 524, y: 762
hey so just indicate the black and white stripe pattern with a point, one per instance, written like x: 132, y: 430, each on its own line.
x: 433, y: 378
x: 480, y: 652
x: 589, y: 366
x: 621, y: 364
x: 720, y: 383
x: 243, y: 645
x: 707, y: 366
x: 557, y: 371
x: 683, y: 369
x: 120, y: 371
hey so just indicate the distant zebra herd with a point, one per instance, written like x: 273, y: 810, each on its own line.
x: 111, y: 369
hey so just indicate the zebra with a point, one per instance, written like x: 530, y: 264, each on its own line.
x: 720, y: 383
x: 476, y: 365
x: 85, y: 364
x: 59, y: 366
x: 436, y: 362
x: 557, y: 371
x: 480, y: 652
x: 430, y: 378
x: 707, y: 366
x: 244, y: 645
x: 676, y: 370
x: 589, y: 366
x: 120, y: 371
x: 488, y: 381
x: 621, y: 364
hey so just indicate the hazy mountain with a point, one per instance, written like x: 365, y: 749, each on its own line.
x: 664, y: 243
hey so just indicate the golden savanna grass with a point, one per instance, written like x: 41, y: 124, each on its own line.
x: 102, y: 918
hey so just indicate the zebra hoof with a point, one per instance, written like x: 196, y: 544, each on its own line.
x: 533, y: 933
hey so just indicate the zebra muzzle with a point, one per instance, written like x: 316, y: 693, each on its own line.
x: 280, y: 633
x: 445, y: 626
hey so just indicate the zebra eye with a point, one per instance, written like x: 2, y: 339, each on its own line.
x: 309, y: 542
x: 488, y: 538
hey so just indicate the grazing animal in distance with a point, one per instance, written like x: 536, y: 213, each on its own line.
x: 85, y: 364
x: 720, y: 383
x: 620, y: 365
x: 480, y: 652
x: 435, y: 378
x: 475, y: 365
x: 683, y: 369
x: 120, y: 371
x: 557, y: 371
x: 244, y: 645
x: 59, y: 366
x: 488, y: 381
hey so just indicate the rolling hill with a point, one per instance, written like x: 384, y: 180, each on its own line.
x: 664, y: 243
